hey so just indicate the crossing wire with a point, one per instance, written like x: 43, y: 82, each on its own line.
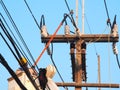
x: 111, y: 29
x: 22, y: 51
x: 17, y: 30
x: 19, y: 57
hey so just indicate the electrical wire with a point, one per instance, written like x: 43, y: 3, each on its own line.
x: 51, y: 57
x: 32, y: 14
x: 71, y: 13
x: 21, y: 50
x: 17, y: 31
x: 23, y: 65
x: 108, y: 22
x: 52, y: 37
x: 5, y: 64
x: 118, y: 61
x: 8, y: 35
x: 111, y: 28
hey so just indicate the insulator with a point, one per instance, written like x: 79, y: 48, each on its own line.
x: 115, y: 30
x: 115, y: 50
x: 78, y: 33
x: 67, y: 30
x: 50, y: 71
x: 44, y: 32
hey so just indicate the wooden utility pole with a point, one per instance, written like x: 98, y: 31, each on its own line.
x: 99, y: 78
x: 78, y: 61
x: 78, y: 65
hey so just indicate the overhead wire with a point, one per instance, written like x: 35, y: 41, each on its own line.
x: 20, y: 47
x: 32, y: 14
x: 17, y: 30
x: 109, y: 69
x: 50, y: 52
x: 108, y: 21
x: 71, y: 14
x: 89, y: 30
x: 5, y: 64
x: 22, y: 62
x: 43, y: 22
x: 111, y: 26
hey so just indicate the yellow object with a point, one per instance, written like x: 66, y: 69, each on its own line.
x: 23, y: 60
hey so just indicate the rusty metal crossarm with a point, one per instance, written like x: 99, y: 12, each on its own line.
x: 86, y: 37
x: 102, y: 85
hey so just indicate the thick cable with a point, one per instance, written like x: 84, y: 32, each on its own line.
x: 5, y: 64
x: 20, y: 49
x: 47, y: 45
x: 8, y: 46
x: 24, y: 66
x: 8, y: 35
x: 16, y: 29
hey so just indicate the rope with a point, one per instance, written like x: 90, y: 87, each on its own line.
x: 91, y: 41
x: 47, y: 45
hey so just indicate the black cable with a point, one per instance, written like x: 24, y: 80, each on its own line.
x: 108, y: 22
x: 118, y: 61
x: 71, y: 13
x: 32, y: 14
x: 10, y: 38
x: 23, y: 65
x: 17, y: 31
x: 42, y: 21
x: 23, y: 53
x: 5, y: 64
x: 51, y: 57
x: 67, y: 6
x: 8, y: 46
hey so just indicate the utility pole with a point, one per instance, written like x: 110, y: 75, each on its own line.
x: 96, y: 38
x: 99, y: 77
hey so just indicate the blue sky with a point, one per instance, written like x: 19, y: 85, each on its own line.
x: 53, y: 11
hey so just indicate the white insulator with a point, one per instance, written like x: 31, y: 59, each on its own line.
x: 50, y: 71
x: 67, y: 30
x: 115, y: 30
x: 115, y: 50
x: 44, y: 32
x: 78, y: 33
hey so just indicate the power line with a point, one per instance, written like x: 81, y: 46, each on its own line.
x: 108, y: 21
x: 17, y: 30
x: 5, y: 64
x: 32, y: 14
x: 19, y: 58
x: 23, y: 53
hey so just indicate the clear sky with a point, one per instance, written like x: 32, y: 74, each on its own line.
x: 53, y: 11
